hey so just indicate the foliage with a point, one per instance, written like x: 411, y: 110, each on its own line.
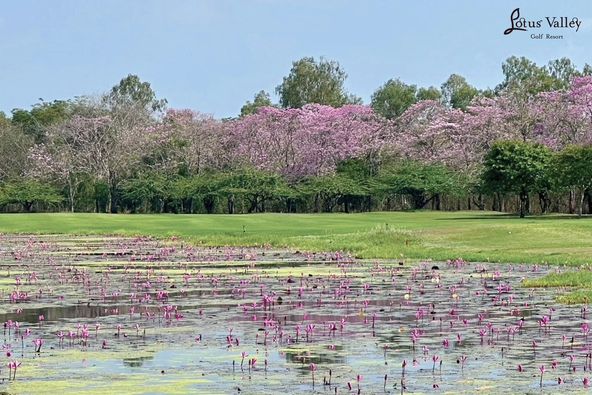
x: 518, y: 167
x: 457, y: 92
x: 27, y: 192
x: 430, y: 93
x: 310, y: 141
x: 422, y: 182
x: 123, y: 151
x: 261, y: 99
x: 393, y: 98
x: 44, y: 114
x: 319, y: 82
x: 132, y: 92
x: 573, y: 169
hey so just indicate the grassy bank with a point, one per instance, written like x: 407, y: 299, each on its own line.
x: 475, y: 236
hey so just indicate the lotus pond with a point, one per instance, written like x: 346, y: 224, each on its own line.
x: 139, y: 315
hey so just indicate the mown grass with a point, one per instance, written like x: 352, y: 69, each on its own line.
x: 475, y: 236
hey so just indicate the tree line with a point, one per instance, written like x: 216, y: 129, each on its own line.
x: 522, y: 146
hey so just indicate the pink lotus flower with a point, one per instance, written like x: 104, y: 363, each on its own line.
x: 38, y: 343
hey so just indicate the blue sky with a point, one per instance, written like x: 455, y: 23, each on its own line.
x: 212, y: 56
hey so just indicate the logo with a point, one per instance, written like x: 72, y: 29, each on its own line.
x: 518, y: 23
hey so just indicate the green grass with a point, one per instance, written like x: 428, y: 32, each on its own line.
x: 475, y: 236
x: 578, y: 284
x: 580, y: 278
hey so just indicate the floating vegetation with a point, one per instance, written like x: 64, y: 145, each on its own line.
x: 137, y: 315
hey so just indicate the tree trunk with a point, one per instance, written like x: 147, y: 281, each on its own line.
x: 480, y: 202
x: 71, y: 194
x: 254, y: 205
x: 231, y: 203
x: 571, y: 204
x: 523, y: 203
x: 109, y: 200
x: 544, y: 201
x: 581, y: 202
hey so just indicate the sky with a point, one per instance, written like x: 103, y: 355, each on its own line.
x: 212, y: 56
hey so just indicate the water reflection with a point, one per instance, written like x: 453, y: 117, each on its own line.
x: 136, y: 362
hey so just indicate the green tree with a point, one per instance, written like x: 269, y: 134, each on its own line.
x: 131, y: 92
x: 423, y: 183
x: 430, y: 93
x: 319, y: 82
x: 523, y: 77
x: 4, y: 120
x: 256, y: 186
x: 331, y: 190
x: 457, y: 92
x: 14, y: 149
x: 573, y: 169
x: 28, y: 192
x: 517, y: 167
x: 562, y: 71
x: 41, y: 116
x: 147, y: 189
x: 208, y: 188
x: 261, y: 99
x: 393, y: 98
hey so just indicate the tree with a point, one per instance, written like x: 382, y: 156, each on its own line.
x: 457, y: 93
x: 261, y: 99
x: 523, y: 77
x: 187, y: 143
x: 35, y: 122
x: 562, y: 71
x: 431, y: 133
x: 129, y: 107
x: 28, y: 192
x: 14, y: 146
x: 319, y: 82
x: 132, y: 92
x: 95, y: 146
x: 423, y: 182
x: 431, y: 93
x: 518, y: 167
x: 393, y: 98
x: 573, y: 169
x: 331, y: 190
x: 303, y: 142
x: 564, y: 117
x: 146, y: 189
x: 256, y: 186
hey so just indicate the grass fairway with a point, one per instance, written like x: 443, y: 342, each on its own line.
x: 472, y: 235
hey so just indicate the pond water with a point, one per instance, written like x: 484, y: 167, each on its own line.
x: 137, y: 315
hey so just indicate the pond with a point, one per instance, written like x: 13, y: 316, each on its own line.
x: 138, y: 315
